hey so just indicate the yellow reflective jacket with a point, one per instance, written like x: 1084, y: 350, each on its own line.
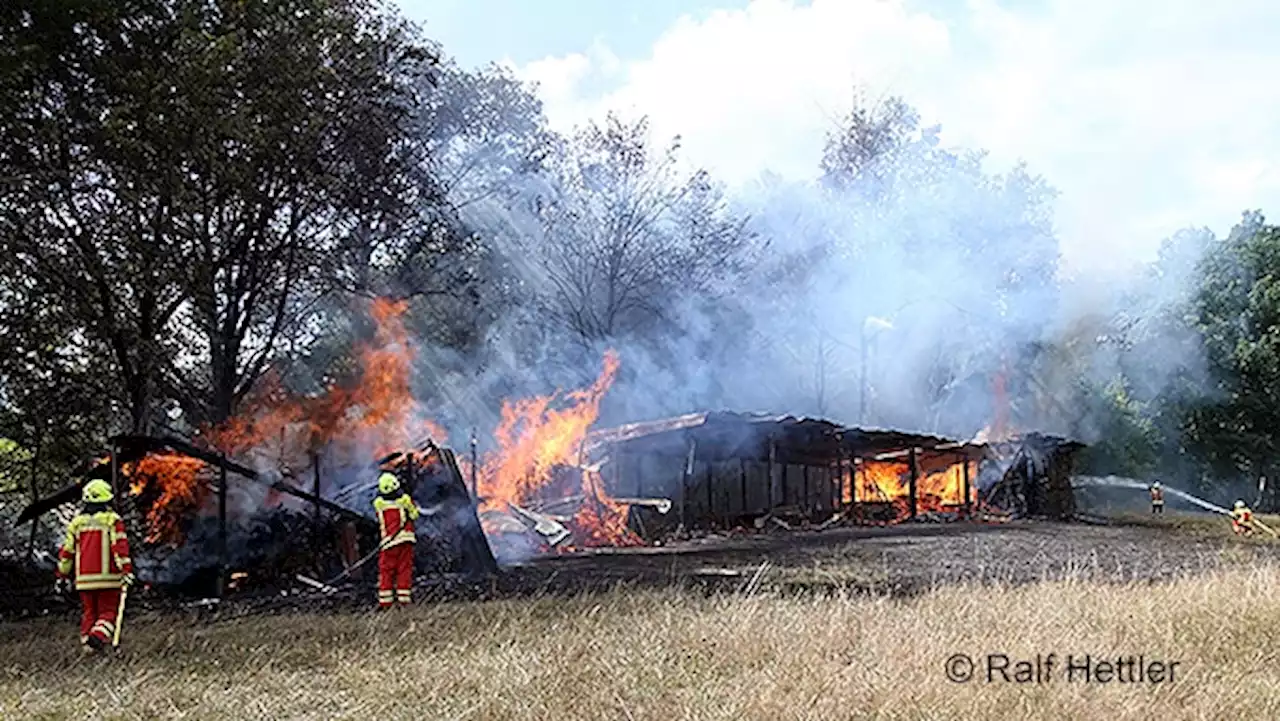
x: 97, y: 549
x: 395, y: 520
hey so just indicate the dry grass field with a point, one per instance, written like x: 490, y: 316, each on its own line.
x: 676, y: 654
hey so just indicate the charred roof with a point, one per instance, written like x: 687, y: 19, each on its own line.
x: 729, y: 435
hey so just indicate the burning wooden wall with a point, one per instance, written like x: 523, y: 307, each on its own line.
x: 722, y: 468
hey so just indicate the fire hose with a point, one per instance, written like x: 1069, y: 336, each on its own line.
x: 1265, y: 527
x: 429, y: 511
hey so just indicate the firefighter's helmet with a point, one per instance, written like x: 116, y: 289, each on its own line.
x: 388, y: 483
x: 1239, y: 504
x: 96, y: 491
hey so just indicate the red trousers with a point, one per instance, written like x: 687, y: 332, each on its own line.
x: 395, y: 575
x: 98, y: 614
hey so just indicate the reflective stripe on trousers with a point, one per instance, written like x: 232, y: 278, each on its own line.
x: 98, y: 613
x: 395, y: 574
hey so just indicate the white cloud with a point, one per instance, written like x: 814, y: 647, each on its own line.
x: 1147, y: 116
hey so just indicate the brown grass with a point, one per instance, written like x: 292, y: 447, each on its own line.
x: 1207, y: 525
x: 674, y: 655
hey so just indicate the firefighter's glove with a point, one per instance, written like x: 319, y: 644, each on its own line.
x: 127, y: 580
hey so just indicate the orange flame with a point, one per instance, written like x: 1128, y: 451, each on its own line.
x: 599, y: 520
x: 537, y: 435
x: 379, y: 413
x: 939, y: 483
x: 178, y: 487
x: 375, y: 415
x: 533, y: 437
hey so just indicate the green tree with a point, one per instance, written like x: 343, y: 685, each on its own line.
x: 180, y: 179
x: 1236, y: 430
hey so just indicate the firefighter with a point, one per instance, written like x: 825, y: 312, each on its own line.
x: 1157, y: 498
x: 95, y: 553
x: 1242, y: 519
x: 396, y: 514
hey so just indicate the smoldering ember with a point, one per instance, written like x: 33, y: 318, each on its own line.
x: 276, y: 503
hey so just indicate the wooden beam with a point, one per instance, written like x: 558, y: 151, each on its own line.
x: 915, y: 477
x: 773, y: 484
x: 315, y: 491
x: 685, y: 475
x: 807, y: 497
x: 475, y: 467
x: 223, y: 560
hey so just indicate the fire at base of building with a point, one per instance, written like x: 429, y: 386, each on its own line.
x: 637, y: 484
x: 709, y: 472
x: 729, y: 469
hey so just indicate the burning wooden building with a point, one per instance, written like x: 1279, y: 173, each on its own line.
x: 728, y: 469
x: 287, y: 483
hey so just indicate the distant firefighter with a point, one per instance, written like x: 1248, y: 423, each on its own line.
x: 396, y: 514
x: 95, y: 553
x: 1242, y: 519
x: 1157, y: 498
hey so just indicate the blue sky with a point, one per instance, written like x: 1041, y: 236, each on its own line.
x: 1147, y: 116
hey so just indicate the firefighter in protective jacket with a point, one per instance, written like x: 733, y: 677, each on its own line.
x: 1242, y: 519
x: 95, y: 553
x: 1157, y: 498
x: 396, y: 514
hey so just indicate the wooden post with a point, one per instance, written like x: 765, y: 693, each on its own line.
x: 315, y: 490
x: 115, y: 475
x: 804, y: 504
x: 833, y: 484
x: 711, y: 500
x: 853, y: 480
x: 686, y: 474
x: 223, y: 560
x: 475, y: 463
x: 35, y: 498
x: 840, y: 465
x: 968, y: 507
x: 915, y: 476
x: 773, y: 485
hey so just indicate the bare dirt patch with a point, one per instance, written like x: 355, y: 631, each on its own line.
x: 909, y: 558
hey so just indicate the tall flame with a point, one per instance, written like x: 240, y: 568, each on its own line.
x: 379, y: 414
x: 533, y: 438
x: 376, y: 415
x: 538, y: 435
x: 370, y: 417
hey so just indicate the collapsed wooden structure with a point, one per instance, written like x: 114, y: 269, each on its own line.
x: 430, y: 473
